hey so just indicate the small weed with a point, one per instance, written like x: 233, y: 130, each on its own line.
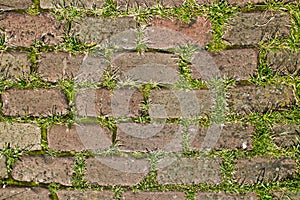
x: 11, y: 155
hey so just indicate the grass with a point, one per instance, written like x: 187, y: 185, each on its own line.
x: 218, y: 13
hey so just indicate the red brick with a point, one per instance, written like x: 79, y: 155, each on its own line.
x: 189, y: 171
x: 15, y: 4
x: 88, y: 4
x: 148, y: 67
x: 252, y: 171
x: 24, y: 29
x: 247, y: 99
x: 153, y: 195
x: 130, y: 4
x: 24, y: 193
x: 14, y: 65
x: 44, y: 169
x: 285, y: 135
x: 101, y: 30
x: 178, y: 103
x: 238, y: 64
x: 120, y: 103
x: 3, y: 171
x: 35, y: 102
x: 20, y: 135
x: 231, y: 136
x: 116, y: 170
x: 165, y: 33
x: 209, y: 196
x: 87, y: 194
x: 251, y: 28
x: 78, y: 138
x: 149, y: 137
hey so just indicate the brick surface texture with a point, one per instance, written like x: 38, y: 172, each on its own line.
x: 149, y: 99
x: 37, y: 102
x: 23, y: 30
x: 44, y: 169
x: 15, y: 4
x: 20, y: 135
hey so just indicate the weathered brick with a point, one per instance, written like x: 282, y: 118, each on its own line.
x: 35, y: 102
x: 54, y: 66
x: 244, y: 2
x: 84, y: 195
x: 251, y: 171
x: 88, y: 4
x: 285, y: 135
x: 15, y: 4
x: 119, y: 103
x: 24, y: 193
x: 148, y: 67
x: 178, y: 103
x: 20, y: 135
x: 149, y: 137
x: 78, y: 138
x: 116, y: 170
x: 209, y: 196
x: 153, y: 195
x: 44, y: 169
x: 14, y: 65
x: 286, y: 195
x: 3, y: 171
x: 284, y: 62
x: 231, y: 136
x: 238, y: 64
x: 130, y: 4
x: 247, y: 99
x: 102, y: 30
x: 166, y: 34
x: 24, y: 29
x: 251, y: 28
x: 191, y: 171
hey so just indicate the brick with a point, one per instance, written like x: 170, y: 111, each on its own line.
x: 252, y: 171
x: 284, y: 62
x: 20, y: 135
x: 153, y: 195
x: 87, y: 194
x: 247, y: 99
x: 191, y: 171
x: 178, y: 103
x: 78, y: 138
x: 14, y: 65
x: 24, y: 29
x: 87, y: 4
x: 148, y: 67
x: 251, y: 28
x: 149, y: 137
x: 286, y: 195
x: 15, y: 4
x: 25, y: 193
x: 166, y: 34
x: 116, y: 170
x: 238, y: 64
x: 135, y: 4
x: 208, y: 196
x: 231, y: 136
x: 44, y: 169
x: 3, y: 171
x: 120, y: 103
x: 243, y: 3
x: 35, y: 102
x: 103, y: 30
x: 55, y: 66
x: 285, y: 135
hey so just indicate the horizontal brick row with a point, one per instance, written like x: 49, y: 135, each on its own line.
x: 285, y: 135
x: 15, y: 4
x: 21, y: 193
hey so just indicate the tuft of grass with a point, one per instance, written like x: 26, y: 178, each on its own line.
x: 11, y: 155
